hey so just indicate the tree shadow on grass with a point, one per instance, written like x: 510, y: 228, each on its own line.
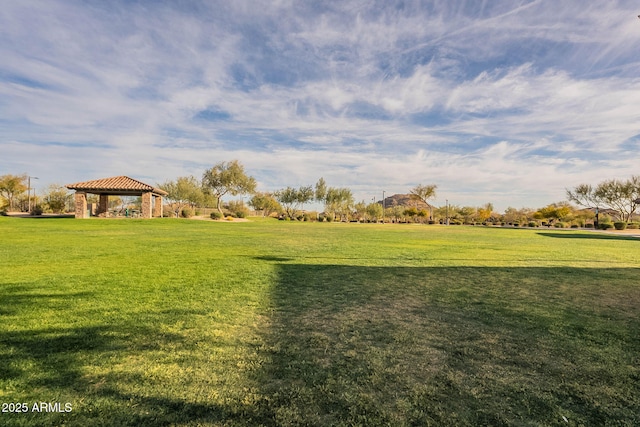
x: 351, y: 345
x: 452, y: 346
x: 79, y: 365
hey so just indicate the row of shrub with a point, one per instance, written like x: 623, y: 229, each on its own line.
x: 620, y: 225
x: 229, y: 216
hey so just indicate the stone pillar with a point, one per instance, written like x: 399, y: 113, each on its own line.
x: 103, y: 205
x: 81, y: 204
x: 146, y: 205
x: 157, y: 206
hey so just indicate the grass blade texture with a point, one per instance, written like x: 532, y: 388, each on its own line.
x: 177, y: 322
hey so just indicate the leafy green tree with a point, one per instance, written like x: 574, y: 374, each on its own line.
x: 468, y: 213
x: 292, y: 199
x: 554, y: 211
x: 321, y: 190
x: 411, y: 212
x: 485, y: 212
x: 227, y: 178
x: 12, y: 186
x: 361, y: 210
x: 57, y: 197
x: 374, y: 210
x: 266, y: 203
x: 238, y: 208
x: 185, y: 190
x: 338, y: 201
x: 513, y: 215
x: 395, y: 212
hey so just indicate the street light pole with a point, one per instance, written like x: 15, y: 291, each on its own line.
x: 447, y: 215
x: 29, y: 192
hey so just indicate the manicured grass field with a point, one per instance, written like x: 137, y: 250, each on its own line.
x: 178, y: 322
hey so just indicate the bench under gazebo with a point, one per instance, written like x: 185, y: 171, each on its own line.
x: 117, y: 186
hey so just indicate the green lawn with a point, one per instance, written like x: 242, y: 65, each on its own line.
x: 178, y: 322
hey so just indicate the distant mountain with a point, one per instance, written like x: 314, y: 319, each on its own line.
x: 403, y: 200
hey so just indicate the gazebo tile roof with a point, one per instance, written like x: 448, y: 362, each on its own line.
x: 116, y: 183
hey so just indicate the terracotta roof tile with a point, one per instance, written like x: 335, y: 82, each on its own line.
x: 116, y: 183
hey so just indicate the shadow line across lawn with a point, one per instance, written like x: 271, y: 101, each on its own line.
x: 358, y: 345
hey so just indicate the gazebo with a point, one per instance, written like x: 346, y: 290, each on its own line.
x: 117, y: 186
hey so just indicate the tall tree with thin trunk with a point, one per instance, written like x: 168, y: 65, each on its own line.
x: 423, y: 193
x: 227, y: 178
x: 621, y: 196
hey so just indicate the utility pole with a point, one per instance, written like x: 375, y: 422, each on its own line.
x: 29, y: 192
x: 383, y: 206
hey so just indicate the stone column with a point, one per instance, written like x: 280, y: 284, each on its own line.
x: 157, y: 206
x: 146, y: 205
x: 81, y: 204
x: 103, y: 205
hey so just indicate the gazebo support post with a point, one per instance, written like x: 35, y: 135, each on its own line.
x: 81, y: 204
x: 157, y: 206
x: 146, y: 205
x: 103, y: 205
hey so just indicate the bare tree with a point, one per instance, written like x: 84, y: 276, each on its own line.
x: 423, y: 193
x: 620, y: 196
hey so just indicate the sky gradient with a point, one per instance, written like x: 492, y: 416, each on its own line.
x: 501, y: 101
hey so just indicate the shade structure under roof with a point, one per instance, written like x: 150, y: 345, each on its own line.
x: 151, y: 196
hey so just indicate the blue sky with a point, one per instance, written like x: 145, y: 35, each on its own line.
x: 509, y: 102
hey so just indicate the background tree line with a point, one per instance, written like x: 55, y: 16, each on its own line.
x: 605, y: 203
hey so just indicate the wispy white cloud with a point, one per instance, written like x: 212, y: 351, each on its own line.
x: 499, y: 101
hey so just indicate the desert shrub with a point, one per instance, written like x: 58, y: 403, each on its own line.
x: 241, y: 214
x: 229, y: 218
x: 533, y: 224
x: 186, y: 212
x: 633, y: 226
x: 216, y: 215
x: 37, y: 210
x: 620, y: 225
x: 575, y: 226
x: 329, y: 218
x: 605, y: 225
x: 588, y: 226
x: 560, y: 225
